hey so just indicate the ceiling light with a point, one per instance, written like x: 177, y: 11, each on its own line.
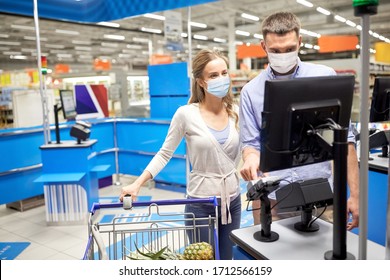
x: 58, y: 51
x: 316, y: 47
x: 67, y: 32
x: 110, y: 45
x: 251, y: 17
x: 200, y: 37
x: 109, y: 24
x: 10, y: 43
x: 124, y: 55
x: 82, y: 48
x: 11, y: 53
x: 350, y: 23
x: 24, y: 27
x: 258, y: 36
x: 151, y: 30
x: 153, y: 16
x: 323, y: 11
x: 134, y: 47
x: 310, y: 33
x: 28, y: 50
x: 359, y: 27
x: 339, y: 18
x: 243, y: 33
x: 140, y: 40
x: 219, y: 40
x: 4, y: 35
x: 129, y: 51
x: 64, y: 55
x: 54, y: 46
x: 238, y: 43
x: 305, y: 3
x: 18, y: 57
x: 85, y: 56
x: 201, y: 47
x: 197, y: 24
x: 78, y: 42
x: 184, y: 35
x: 33, y: 38
x: 114, y: 37
x: 309, y: 46
x: 107, y: 50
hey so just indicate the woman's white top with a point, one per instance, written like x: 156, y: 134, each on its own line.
x: 213, y: 165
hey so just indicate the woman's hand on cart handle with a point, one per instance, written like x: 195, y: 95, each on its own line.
x: 131, y: 190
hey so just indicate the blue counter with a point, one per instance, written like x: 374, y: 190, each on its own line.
x: 133, y: 141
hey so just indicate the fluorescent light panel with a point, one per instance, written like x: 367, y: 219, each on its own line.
x: 242, y: 33
x: 305, y: 3
x: 200, y: 37
x: 24, y: 27
x: 153, y: 16
x: 251, y: 17
x: 151, y: 30
x: 67, y: 32
x: 109, y: 24
x: 323, y: 11
x: 114, y: 37
x: 339, y: 18
x: 197, y: 24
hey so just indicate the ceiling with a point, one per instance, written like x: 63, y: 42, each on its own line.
x: 17, y: 33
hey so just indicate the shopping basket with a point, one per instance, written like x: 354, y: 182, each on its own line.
x: 148, y: 226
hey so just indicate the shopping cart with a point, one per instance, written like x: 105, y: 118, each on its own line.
x: 148, y: 226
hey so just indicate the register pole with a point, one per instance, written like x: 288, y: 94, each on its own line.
x: 364, y: 8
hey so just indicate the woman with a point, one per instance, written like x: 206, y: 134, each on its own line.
x: 209, y: 124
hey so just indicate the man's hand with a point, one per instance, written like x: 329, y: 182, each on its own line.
x: 250, y: 168
x: 353, y: 210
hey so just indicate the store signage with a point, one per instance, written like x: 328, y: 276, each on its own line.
x: 101, y: 65
x: 252, y: 51
x: 337, y: 43
x: 172, y: 31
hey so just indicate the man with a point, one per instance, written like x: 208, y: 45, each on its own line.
x: 281, y: 42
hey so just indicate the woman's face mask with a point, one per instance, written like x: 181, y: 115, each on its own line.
x: 283, y: 62
x: 219, y: 87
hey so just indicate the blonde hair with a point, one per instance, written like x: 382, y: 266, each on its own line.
x: 199, y: 63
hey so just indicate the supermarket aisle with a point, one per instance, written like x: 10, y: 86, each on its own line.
x: 59, y: 242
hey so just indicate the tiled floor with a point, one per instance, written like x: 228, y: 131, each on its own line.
x: 59, y: 242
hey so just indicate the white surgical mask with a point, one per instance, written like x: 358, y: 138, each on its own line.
x: 283, y: 62
x: 219, y: 87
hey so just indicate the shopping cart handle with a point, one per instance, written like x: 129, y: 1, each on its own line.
x: 212, y: 200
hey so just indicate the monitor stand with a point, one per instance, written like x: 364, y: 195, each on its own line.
x: 306, y: 224
x: 265, y: 234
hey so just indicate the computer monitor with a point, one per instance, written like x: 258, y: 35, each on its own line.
x: 68, y: 104
x: 293, y: 110
x: 380, y: 104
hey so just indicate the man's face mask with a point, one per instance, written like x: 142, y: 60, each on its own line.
x: 283, y: 62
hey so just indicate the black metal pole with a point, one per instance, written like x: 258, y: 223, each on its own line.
x: 57, y: 125
x: 340, y: 152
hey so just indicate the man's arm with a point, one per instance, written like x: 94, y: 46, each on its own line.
x: 251, y: 161
x: 353, y: 184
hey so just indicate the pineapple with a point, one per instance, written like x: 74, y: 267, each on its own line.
x: 164, y: 254
x: 199, y: 251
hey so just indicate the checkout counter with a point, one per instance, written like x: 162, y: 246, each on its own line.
x: 293, y: 244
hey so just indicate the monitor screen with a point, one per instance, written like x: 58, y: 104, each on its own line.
x: 68, y: 104
x: 293, y: 109
x: 380, y: 106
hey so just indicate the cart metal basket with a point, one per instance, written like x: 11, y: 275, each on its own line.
x: 148, y: 226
